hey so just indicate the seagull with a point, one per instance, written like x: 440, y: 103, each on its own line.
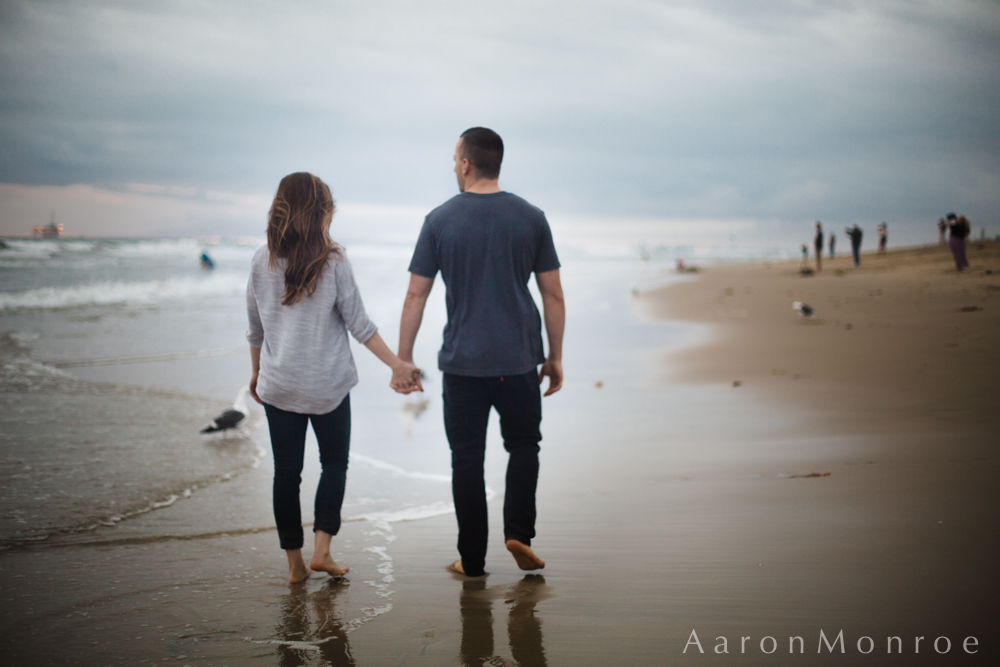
x: 804, y: 308
x: 411, y: 411
x: 231, y: 417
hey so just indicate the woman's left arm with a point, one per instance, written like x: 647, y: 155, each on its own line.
x: 254, y: 372
x: 255, y: 336
x: 405, y: 376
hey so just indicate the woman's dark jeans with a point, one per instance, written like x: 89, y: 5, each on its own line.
x: 467, y: 404
x: 288, y: 442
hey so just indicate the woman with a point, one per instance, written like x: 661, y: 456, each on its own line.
x: 301, y: 302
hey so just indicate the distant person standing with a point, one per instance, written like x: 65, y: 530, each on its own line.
x: 958, y: 228
x: 942, y: 228
x: 818, y: 245
x: 854, y: 233
x: 883, y: 237
x: 833, y: 244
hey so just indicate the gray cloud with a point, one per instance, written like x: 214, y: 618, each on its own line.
x: 786, y: 111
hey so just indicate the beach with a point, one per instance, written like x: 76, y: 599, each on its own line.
x: 716, y: 466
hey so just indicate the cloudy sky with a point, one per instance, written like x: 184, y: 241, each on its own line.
x: 671, y: 120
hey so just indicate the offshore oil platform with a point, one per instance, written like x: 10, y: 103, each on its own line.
x: 53, y: 230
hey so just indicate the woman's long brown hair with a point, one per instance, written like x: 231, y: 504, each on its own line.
x: 298, y: 231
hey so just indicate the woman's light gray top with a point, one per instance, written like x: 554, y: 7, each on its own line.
x: 306, y: 364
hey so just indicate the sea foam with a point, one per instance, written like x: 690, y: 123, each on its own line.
x: 108, y: 293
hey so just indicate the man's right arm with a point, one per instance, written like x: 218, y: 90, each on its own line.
x: 413, y: 314
x: 554, y: 313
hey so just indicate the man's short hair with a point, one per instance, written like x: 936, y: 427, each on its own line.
x: 483, y: 148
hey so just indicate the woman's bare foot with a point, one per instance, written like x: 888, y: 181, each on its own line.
x: 322, y: 561
x: 524, y: 556
x: 325, y: 563
x: 297, y: 570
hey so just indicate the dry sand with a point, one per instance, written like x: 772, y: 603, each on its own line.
x: 903, y: 338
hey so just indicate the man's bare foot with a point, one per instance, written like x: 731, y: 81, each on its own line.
x: 327, y: 564
x: 457, y: 568
x: 524, y: 556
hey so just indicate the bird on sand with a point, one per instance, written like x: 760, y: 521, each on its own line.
x: 804, y: 309
x: 231, y: 417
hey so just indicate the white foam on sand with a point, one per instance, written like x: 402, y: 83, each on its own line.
x: 298, y: 645
x: 396, y: 471
x: 382, y: 527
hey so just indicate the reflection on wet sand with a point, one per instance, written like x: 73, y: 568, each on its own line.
x: 524, y: 629
x: 309, y: 627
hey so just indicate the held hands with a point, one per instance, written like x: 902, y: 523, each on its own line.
x: 554, y: 370
x: 405, y: 378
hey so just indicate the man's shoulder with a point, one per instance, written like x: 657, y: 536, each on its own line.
x: 447, y: 207
x: 471, y: 202
x: 519, y: 202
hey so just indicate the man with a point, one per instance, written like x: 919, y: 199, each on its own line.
x: 486, y: 243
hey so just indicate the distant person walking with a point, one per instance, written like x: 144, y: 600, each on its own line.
x: 818, y: 246
x: 942, y: 229
x: 958, y: 228
x: 486, y: 243
x: 883, y: 237
x: 301, y: 303
x: 854, y: 233
x: 833, y: 244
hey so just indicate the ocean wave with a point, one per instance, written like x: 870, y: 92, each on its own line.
x: 181, y: 248
x: 22, y: 374
x: 108, y: 293
x: 25, y: 249
x: 153, y: 248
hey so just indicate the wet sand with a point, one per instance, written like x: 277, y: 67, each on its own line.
x: 669, y: 501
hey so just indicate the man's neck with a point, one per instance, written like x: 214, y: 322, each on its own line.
x: 483, y: 186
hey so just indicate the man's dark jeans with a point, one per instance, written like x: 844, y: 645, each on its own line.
x: 467, y: 404
x: 288, y: 442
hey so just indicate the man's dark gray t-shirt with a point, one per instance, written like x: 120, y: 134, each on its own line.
x: 486, y: 246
